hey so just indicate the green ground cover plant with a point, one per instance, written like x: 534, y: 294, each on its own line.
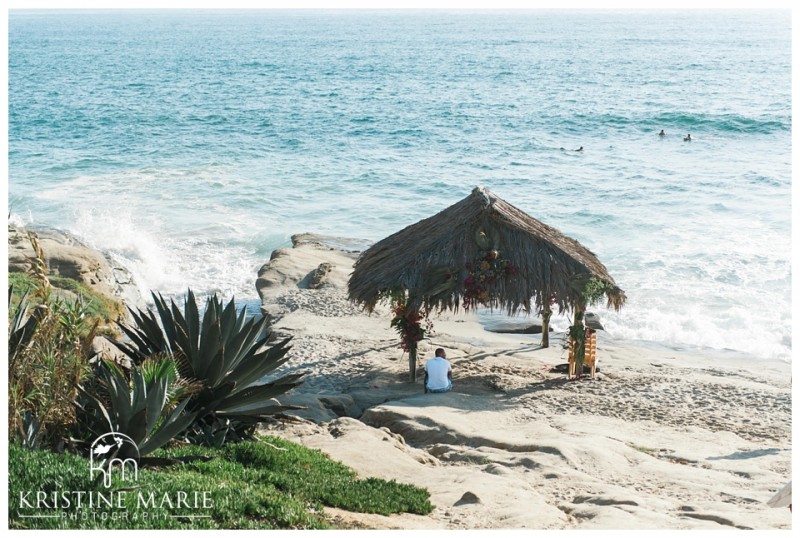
x: 269, y: 483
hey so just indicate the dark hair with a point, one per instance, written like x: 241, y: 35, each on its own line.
x: 439, y: 352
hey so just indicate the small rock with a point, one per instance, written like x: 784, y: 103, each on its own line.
x: 317, y: 277
x: 103, y: 349
x: 342, y: 405
x: 592, y: 321
x: 468, y: 498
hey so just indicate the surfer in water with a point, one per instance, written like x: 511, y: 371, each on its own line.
x: 687, y: 138
x: 662, y: 133
x: 579, y: 149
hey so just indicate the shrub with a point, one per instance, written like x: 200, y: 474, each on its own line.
x: 48, y: 351
x: 50, y: 339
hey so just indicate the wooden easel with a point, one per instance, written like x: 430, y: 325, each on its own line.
x: 590, y: 355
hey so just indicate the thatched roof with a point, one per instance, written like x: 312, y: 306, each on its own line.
x: 430, y: 259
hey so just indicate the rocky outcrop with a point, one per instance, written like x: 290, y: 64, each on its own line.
x: 321, y: 408
x: 67, y: 257
x: 516, y: 327
x: 309, y: 264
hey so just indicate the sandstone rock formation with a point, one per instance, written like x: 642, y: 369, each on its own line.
x: 311, y: 265
x: 66, y: 256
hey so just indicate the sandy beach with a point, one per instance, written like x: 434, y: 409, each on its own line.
x: 659, y: 439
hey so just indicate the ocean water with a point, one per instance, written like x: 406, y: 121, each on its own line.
x: 190, y: 144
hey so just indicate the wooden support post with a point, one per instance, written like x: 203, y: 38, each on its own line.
x: 571, y: 368
x: 546, y: 313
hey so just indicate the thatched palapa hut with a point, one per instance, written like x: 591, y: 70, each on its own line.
x: 481, y: 251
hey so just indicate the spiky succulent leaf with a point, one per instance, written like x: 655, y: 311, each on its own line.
x: 210, y: 398
x: 260, y: 393
x: 95, y: 409
x: 156, y: 400
x: 256, y: 414
x: 129, y: 351
x: 147, y: 336
x: 174, y: 424
x: 192, y: 321
x: 137, y: 427
x: 119, y: 394
x: 228, y: 322
x: 21, y: 330
x: 261, y: 365
x: 208, y: 363
x: 137, y: 407
x: 182, y: 333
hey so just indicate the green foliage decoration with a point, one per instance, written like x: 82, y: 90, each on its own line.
x: 589, y: 290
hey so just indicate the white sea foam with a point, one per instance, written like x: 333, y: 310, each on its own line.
x: 20, y: 221
x: 165, y: 263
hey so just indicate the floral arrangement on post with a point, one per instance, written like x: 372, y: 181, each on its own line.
x: 484, y: 273
x: 408, y: 324
x: 411, y: 325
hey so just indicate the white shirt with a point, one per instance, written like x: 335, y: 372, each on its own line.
x: 437, y: 369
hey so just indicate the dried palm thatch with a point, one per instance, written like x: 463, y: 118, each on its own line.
x: 429, y: 259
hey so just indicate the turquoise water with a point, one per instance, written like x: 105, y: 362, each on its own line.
x: 189, y: 145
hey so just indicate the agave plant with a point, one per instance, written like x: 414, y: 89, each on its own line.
x: 138, y: 408
x: 224, y: 351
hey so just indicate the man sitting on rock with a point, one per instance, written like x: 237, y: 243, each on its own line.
x: 438, y: 373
